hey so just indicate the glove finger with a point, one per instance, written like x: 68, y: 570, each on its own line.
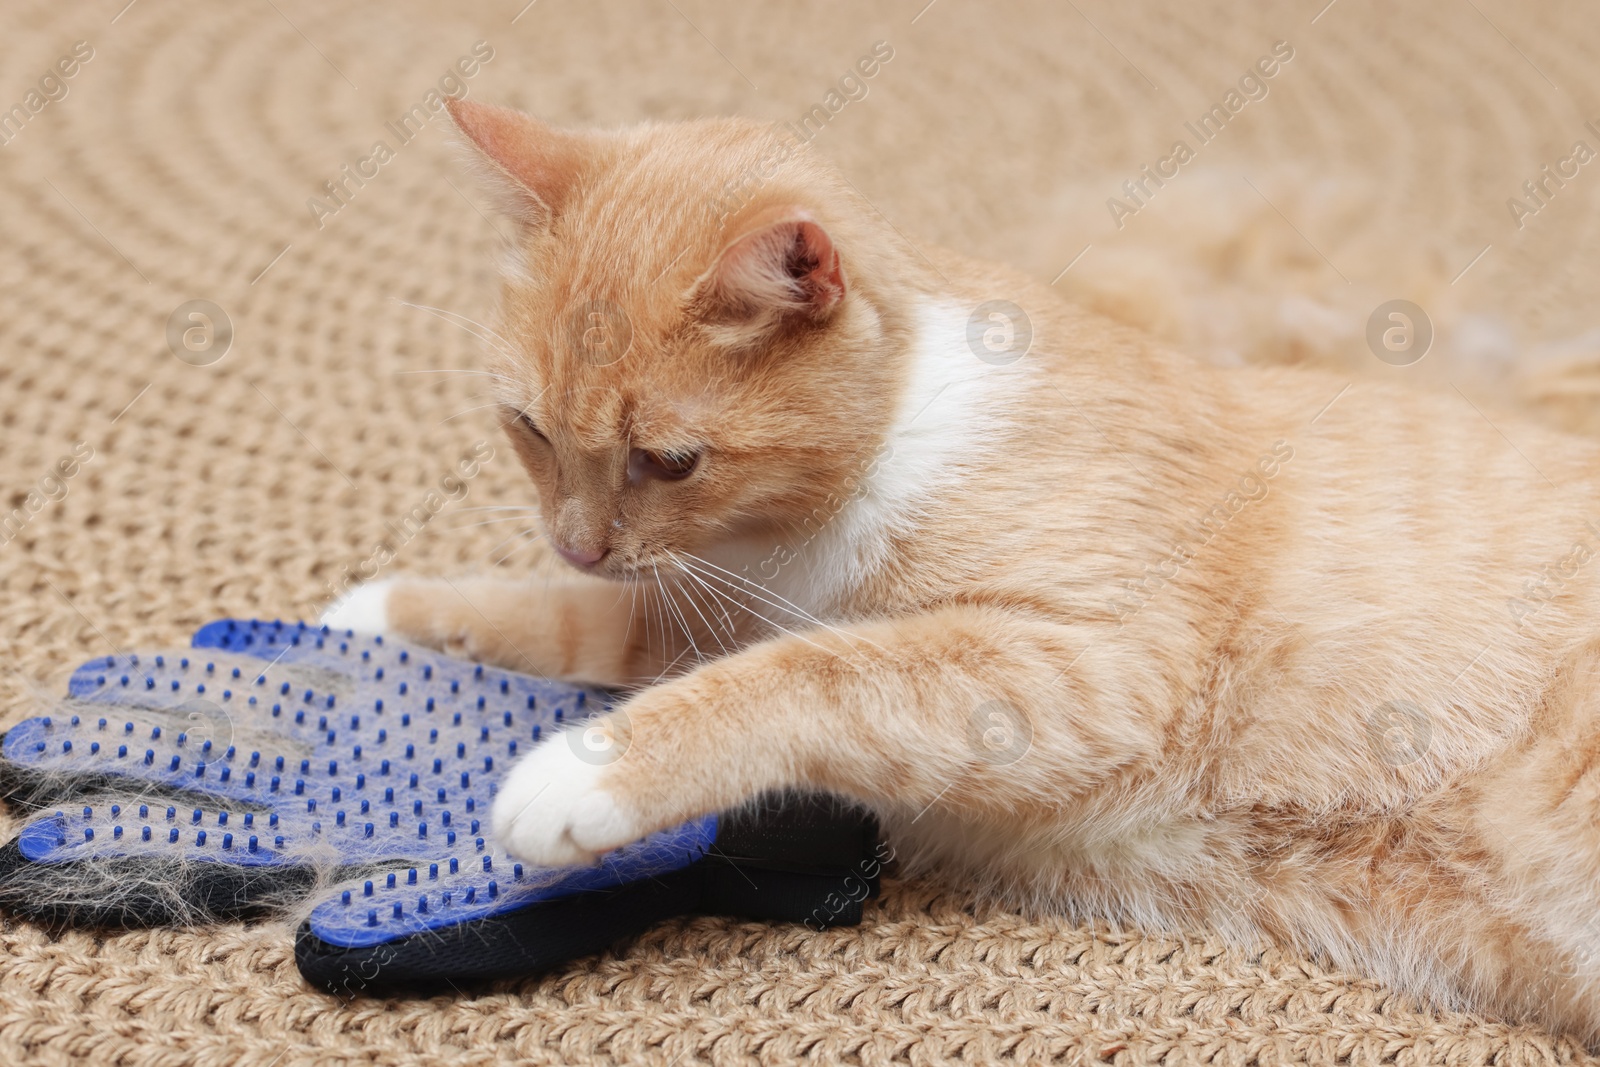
x: 174, y: 740
x: 149, y: 858
x: 130, y: 859
x: 165, y: 717
x: 478, y: 881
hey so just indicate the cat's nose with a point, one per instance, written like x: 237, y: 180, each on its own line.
x: 581, y: 557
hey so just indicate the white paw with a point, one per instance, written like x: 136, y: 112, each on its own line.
x: 551, y: 810
x: 365, y: 609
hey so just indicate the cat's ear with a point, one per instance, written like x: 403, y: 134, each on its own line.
x: 782, y: 268
x: 530, y: 165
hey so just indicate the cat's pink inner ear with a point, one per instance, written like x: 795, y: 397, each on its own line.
x: 785, y: 263
x: 543, y: 161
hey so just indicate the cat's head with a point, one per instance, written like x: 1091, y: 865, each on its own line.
x: 701, y: 327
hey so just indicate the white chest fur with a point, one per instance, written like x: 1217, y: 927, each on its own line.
x: 951, y: 410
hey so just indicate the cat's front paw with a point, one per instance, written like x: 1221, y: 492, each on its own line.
x: 555, y: 810
x: 422, y: 612
x: 365, y: 609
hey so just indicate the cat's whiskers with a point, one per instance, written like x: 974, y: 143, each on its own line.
x: 666, y: 618
x: 649, y: 617
x: 661, y: 623
x: 676, y: 617
x: 514, y: 535
x: 758, y: 590
x: 646, y: 614
x: 478, y: 407
x: 506, y: 558
x: 715, y: 608
x: 761, y: 592
x: 526, y: 540
x: 490, y: 522
x: 524, y: 404
x: 711, y: 628
x: 726, y: 592
x: 633, y: 607
x: 697, y: 584
x: 487, y: 335
x: 779, y: 627
x: 731, y: 595
x: 677, y: 614
x: 670, y: 667
x: 463, y: 372
x: 702, y: 579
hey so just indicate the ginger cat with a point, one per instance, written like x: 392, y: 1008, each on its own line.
x: 1086, y: 622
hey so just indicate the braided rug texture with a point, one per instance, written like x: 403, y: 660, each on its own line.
x: 178, y: 166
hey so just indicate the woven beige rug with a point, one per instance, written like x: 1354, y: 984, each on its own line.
x: 187, y: 157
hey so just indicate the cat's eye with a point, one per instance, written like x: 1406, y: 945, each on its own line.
x: 532, y: 427
x: 667, y: 466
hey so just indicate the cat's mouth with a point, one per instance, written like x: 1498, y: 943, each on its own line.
x: 615, y: 566
x: 585, y: 559
x: 648, y: 568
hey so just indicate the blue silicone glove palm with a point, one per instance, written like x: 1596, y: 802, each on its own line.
x: 274, y: 759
